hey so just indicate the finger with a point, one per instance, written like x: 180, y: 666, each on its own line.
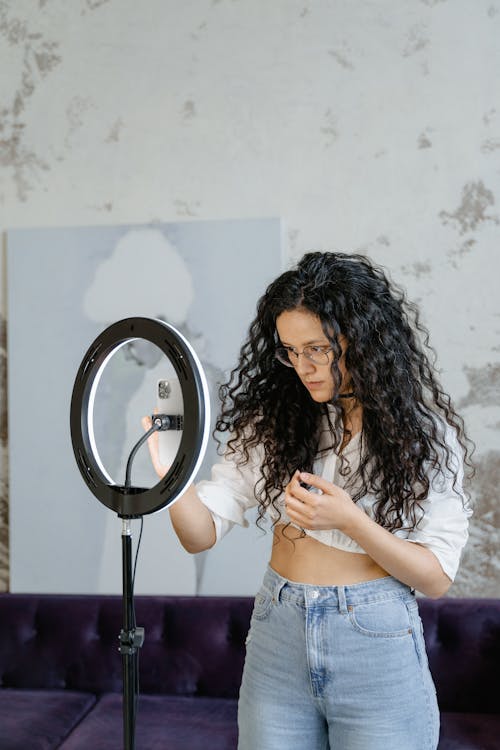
x: 297, y: 511
x: 322, y: 484
x: 294, y: 476
x: 296, y: 490
x: 146, y: 423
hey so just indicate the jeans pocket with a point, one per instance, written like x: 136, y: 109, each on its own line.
x: 386, y: 618
x: 262, y: 605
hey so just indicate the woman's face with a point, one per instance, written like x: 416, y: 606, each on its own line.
x: 300, y: 328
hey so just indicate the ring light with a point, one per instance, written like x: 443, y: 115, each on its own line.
x: 132, y: 502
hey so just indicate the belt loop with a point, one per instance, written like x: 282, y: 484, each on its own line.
x: 342, y: 600
x: 280, y: 585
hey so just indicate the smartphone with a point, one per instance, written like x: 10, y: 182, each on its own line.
x: 311, y: 488
x: 169, y: 401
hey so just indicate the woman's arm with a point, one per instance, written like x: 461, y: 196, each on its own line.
x: 409, y: 562
x: 191, y: 519
x: 192, y: 522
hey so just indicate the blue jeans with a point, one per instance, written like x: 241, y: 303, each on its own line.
x: 336, y: 668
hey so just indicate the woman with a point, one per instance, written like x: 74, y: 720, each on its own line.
x: 341, y: 434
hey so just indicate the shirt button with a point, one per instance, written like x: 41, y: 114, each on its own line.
x: 314, y: 594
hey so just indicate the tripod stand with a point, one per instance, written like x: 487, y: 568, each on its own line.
x: 135, y: 502
x: 131, y: 640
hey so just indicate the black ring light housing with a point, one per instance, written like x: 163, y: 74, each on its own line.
x: 133, y: 502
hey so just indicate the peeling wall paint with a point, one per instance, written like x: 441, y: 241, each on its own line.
x: 480, y: 570
x: 364, y: 125
x: 38, y: 58
x: 484, y: 385
x: 476, y: 200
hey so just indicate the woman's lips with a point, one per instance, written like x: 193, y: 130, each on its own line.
x: 313, y: 384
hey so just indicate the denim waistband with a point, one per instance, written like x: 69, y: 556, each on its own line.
x: 340, y: 597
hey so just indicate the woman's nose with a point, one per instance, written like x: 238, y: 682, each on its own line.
x: 304, y: 366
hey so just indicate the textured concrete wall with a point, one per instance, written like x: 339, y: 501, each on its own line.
x: 371, y: 126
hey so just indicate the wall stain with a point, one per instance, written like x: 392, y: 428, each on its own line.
x: 476, y: 199
x: 108, y: 206
x: 416, y: 40
x: 202, y: 27
x: 484, y: 385
x: 489, y: 116
x: 330, y: 129
x: 460, y: 252
x: 189, y: 110
x: 489, y: 145
x: 183, y: 208
x: 341, y: 59
x: 417, y: 269
x: 493, y: 11
x: 480, y: 568
x: 114, y: 134
x: 424, y: 66
x: 75, y: 110
x: 13, y: 30
x: 40, y: 57
x: 94, y: 4
x: 423, y: 141
x: 293, y: 235
x: 46, y: 57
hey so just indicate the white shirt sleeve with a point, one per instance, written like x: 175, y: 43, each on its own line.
x: 230, y: 492
x: 444, y: 525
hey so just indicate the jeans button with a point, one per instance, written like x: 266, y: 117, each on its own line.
x: 314, y: 594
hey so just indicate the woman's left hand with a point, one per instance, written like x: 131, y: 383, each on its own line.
x: 333, y: 508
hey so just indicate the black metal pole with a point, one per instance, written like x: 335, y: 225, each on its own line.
x: 131, y: 639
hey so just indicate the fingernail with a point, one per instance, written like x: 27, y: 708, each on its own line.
x: 304, y: 476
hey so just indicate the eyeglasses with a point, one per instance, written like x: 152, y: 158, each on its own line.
x: 289, y: 356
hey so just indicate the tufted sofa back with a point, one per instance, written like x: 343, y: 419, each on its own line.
x: 463, y: 645
x: 193, y: 645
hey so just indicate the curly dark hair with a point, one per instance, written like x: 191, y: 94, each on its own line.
x: 392, y: 369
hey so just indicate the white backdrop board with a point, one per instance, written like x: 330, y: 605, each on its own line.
x: 65, y: 287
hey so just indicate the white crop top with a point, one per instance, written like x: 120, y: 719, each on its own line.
x: 443, y: 527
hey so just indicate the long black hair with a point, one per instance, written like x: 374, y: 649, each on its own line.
x: 392, y: 368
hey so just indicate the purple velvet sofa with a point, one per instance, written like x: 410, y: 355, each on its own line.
x: 60, y: 671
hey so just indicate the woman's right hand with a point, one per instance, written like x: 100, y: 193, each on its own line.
x: 154, y: 450
x: 191, y: 519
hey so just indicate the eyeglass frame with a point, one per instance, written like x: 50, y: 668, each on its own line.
x: 291, y: 350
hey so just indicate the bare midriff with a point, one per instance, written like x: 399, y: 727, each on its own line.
x: 305, y: 560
